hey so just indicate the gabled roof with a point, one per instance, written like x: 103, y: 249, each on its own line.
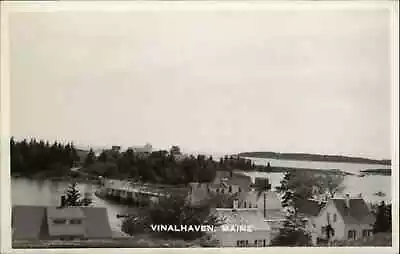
x: 30, y: 222
x: 249, y: 217
x: 96, y: 222
x: 309, y: 208
x: 64, y: 213
x: 357, y: 212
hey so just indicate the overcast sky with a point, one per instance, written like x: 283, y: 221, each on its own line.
x: 223, y: 81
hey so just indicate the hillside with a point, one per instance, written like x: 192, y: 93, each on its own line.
x: 313, y: 157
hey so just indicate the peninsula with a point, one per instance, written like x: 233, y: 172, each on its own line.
x: 313, y: 157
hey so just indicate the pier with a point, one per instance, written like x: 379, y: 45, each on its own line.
x: 128, y: 192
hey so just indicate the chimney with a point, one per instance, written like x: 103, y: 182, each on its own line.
x: 347, y: 200
x: 63, y: 201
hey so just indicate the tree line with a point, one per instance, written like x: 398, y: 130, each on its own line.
x: 33, y: 158
x: 41, y: 157
x: 164, y: 167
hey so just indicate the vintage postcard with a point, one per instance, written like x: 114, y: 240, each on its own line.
x: 213, y: 126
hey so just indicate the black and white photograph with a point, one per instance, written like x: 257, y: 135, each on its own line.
x: 200, y: 127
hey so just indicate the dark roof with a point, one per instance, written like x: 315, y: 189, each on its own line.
x: 357, y: 212
x: 97, y: 225
x: 309, y: 207
x: 30, y: 222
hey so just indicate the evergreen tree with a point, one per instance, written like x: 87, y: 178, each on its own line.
x: 383, y: 219
x: 293, y: 232
x: 90, y: 158
x: 103, y: 156
x: 73, y: 195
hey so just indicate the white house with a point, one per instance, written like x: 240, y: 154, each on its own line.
x: 242, y: 227
x: 349, y: 218
x: 146, y: 149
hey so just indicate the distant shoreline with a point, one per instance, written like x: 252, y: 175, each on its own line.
x: 313, y: 157
x: 308, y: 170
x: 378, y: 171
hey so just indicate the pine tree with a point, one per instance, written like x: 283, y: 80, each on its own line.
x: 73, y: 195
x: 293, y: 232
x: 90, y: 158
x: 383, y: 219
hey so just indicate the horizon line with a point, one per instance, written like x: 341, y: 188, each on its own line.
x: 81, y: 146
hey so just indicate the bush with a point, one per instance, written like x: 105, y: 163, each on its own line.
x: 172, y: 210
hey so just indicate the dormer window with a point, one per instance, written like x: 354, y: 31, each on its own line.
x: 75, y: 221
x: 59, y: 221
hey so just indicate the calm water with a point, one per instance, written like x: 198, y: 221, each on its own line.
x: 354, y: 168
x: 367, y: 185
x: 47, y: 193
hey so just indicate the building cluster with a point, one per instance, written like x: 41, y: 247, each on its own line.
x: 348, y: 217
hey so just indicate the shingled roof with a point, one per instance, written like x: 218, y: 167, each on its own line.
x: 309, y: 207
x: 30, y: 222
x: 250, y: 217
x: 357, y: 212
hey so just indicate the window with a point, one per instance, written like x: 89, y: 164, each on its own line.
x: 334, y: 217
x: 75, y: 221
x: 370, y: 233
x: 59, y: 221
x: 352, y: 235
x: 367, y: 233
x: 259, y: 243
x: 242, y: 243
x: 328, y: 217
x: 239, y: 190
x: 230, y: 189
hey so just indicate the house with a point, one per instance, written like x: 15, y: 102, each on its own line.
x: 234, y: 178
x: 225, y: 182
x: 238, y: 186
x: 59, y: 223
x: 349, y: 219
x: 116, y: 148
x: 146, y: 149
x: 242, y: 227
